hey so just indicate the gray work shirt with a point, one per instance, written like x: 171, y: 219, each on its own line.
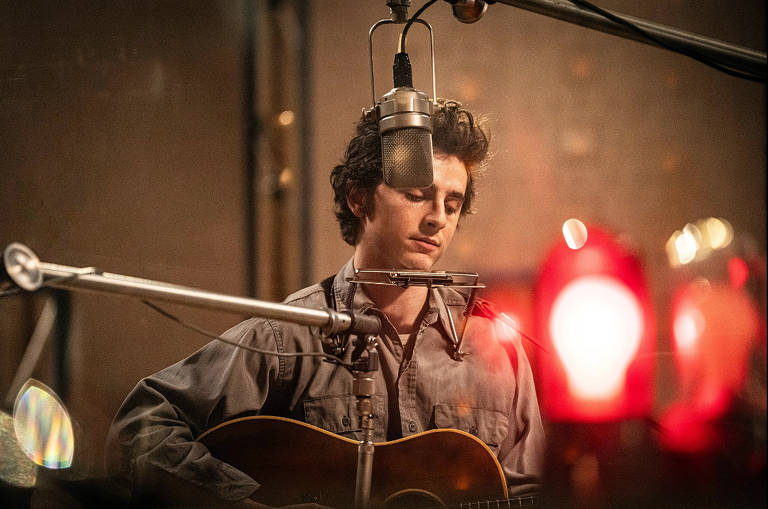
x: 419, y: 386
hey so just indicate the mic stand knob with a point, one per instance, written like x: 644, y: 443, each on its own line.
x: 363, y: 387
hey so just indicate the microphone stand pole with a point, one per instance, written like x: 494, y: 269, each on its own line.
x: 27, y: 271
x: 737, y: 57
x: 363, y: 386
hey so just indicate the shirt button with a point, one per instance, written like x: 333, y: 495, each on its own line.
x: 412, y: 427
x: 346, y: 421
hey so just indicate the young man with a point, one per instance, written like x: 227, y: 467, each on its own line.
x: 421, y: 383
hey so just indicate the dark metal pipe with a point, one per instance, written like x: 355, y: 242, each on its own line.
x: 250, y: 147
x: 305, y: 135
x: 731, y: 55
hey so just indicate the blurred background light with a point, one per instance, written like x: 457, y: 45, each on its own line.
x: 596, y: 325
x: 577, y: 142
x: 688, y: 325
x: 715, y: 328
x: 43, y: 427
x: 698, y: 241
x: 687, y: 243
x: 594, y: 316
x: 575, y: 233
x: 738, y: 271
x: 718, y: 231
x: 285, y: 118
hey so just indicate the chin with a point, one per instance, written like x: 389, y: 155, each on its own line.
x: 419, y: 263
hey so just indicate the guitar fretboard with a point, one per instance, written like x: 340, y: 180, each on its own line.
x: 526, y: 501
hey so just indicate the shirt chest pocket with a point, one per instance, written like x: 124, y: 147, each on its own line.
x: 338, y: 414
x: 488, y: 425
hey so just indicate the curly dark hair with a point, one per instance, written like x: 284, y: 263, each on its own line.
x: 455, y: 132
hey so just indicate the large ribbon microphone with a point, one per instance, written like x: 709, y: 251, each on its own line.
x: 404, y: 114
x: 405, y: 127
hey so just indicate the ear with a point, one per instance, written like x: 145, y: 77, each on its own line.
x: 356, y: 199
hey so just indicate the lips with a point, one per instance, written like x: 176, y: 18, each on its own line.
x: 426, y: 243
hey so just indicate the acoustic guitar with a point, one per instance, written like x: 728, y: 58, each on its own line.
x: 296, y: 462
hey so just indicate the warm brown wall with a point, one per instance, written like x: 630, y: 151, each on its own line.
x: 121, y: 135
x: 121, y: 147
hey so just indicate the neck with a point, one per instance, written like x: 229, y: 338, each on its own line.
x: 402, y: 306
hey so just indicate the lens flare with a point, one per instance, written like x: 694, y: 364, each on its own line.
x: 43, y: 427
x: 507, y: 327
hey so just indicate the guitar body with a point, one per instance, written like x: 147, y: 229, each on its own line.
x: 296, y: 462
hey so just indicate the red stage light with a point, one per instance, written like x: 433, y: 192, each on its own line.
x: 596, y: 325
x: 738, y: 271
x: 715, y: 328
x: 593, y: 315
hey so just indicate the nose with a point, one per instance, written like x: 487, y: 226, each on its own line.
x: 436, y: 217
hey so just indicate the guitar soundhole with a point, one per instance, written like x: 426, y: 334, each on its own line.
x: 311, y: 498
x: 413, y: 499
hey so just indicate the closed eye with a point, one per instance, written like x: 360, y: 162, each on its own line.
x: 413, y: 197
x: 453, y: 207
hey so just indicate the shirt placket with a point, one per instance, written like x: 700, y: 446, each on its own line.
x: 410, y: 417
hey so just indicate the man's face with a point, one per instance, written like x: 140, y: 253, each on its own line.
x: 412, y: 228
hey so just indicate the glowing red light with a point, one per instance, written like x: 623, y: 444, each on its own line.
x: 738, y: 272
x: 596, y: 326
x: 687, y: 430
x: 715, y: 327
x: 593, y: 311
x: 688, y: 326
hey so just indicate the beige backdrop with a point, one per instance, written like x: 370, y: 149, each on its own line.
x: 122, y: 140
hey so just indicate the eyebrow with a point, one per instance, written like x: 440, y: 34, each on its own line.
x: 451, y: 194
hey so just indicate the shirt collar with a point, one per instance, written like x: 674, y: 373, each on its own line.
x: 347, y: 295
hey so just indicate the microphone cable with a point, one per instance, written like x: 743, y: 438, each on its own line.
x: 326, y: 356
x: 407, y: 27
x: 672, y: 47
x: 691, y: 53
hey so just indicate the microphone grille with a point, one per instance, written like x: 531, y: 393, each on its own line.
x: 406, y: 157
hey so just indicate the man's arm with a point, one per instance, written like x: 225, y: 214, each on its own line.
x: 152, y: 441
x: 522, y: 453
